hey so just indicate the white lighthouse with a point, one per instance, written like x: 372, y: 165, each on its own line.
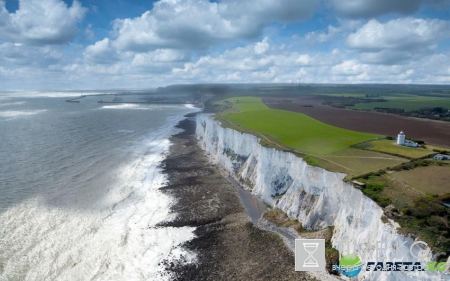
x: 401, y: 138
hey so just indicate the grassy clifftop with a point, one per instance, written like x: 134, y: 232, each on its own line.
x: 295, y: 130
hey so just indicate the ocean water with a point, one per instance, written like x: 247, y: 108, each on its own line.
x: 79, y: 189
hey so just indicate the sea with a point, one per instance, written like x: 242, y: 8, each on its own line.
x: 79, y: 189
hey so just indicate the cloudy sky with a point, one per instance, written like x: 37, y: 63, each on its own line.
x: 101, y: 44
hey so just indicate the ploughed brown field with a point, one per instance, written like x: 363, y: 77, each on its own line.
x: 430, y: 131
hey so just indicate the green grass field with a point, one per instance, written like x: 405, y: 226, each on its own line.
x: 295, y: 130
x: 389, y: 146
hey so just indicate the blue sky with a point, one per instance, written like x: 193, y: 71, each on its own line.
x: 88, y: 44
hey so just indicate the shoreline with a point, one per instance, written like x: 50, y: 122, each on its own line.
x: 228, y: 245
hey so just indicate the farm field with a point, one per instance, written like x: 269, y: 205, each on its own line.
x: 413, y: 198
x: 389, y: 146
x: 406, y: 101
x: 297, y: 131
x: 407, y: 104
x: 432, y: 132
x: 410, y: 190
x: 430, y: 180
x: 356, y: 162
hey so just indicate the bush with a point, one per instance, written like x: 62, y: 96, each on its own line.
x: 384, y: 201
x: 406, y: 211
x: 425, y: 207
x: 376, y: 186
x: 418, y: 141
x: 437, y: 222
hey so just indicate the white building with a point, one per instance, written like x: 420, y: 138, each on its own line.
x: 401, y: 138
x: 441, y: 157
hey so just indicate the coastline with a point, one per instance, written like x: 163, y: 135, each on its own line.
x: 228, y: 246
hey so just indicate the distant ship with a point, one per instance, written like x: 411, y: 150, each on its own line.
x: 117, y: 99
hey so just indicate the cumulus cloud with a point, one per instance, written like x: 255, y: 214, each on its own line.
x: 199, y: 24
x: 17, y: 54
x: 160, y: 55
x: 195, y: 41
x: 101, y: 53
x: 398, y: 40
x: 322, y: 37
x: 40, y: 22
x: 248, y: 63
x: 262, y: 47
x: 403, y: 33
x: 332, y: 33
x: 159, y: 61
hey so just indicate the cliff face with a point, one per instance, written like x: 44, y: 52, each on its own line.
x: 316, y: 197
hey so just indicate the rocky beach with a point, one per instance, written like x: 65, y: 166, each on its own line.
x: 228, y: 246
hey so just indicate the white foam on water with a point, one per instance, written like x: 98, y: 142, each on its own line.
x: 18, y: 113
x: 11, y: 103
x: 122, y: 106
x: 117, y: 240
x: 34, y: 94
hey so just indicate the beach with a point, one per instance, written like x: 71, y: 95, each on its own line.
x: 228, y: 246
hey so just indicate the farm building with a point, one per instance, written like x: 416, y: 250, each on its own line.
x: 441, y: 157
x: 401, y: 140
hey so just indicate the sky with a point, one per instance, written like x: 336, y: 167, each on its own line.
x: 111, y: 44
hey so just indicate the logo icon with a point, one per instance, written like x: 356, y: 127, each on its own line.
x: 349, y: 265
x: 309, y: 255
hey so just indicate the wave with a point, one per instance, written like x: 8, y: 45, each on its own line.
x: 123, y: 106
x: 11, y: 103
x: 118, y: 240
x: 18, y: 113
x: 34, y: 94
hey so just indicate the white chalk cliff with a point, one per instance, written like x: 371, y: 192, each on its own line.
x: 316, y: 197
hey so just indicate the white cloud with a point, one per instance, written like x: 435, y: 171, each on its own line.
x: 17, y: 54
x: 160, y: 55
x: 403, y: 33
x: 101, y: 53
x: 199, y: 24
x: 276, y: 64
x: 89, y: 33
x: 262, y: 47
x: 322, y: 37
x: 332, y: 33
x: 194, y: 41
x: 399, y: 40
x: 349, y: 68
x: 40, y: 22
